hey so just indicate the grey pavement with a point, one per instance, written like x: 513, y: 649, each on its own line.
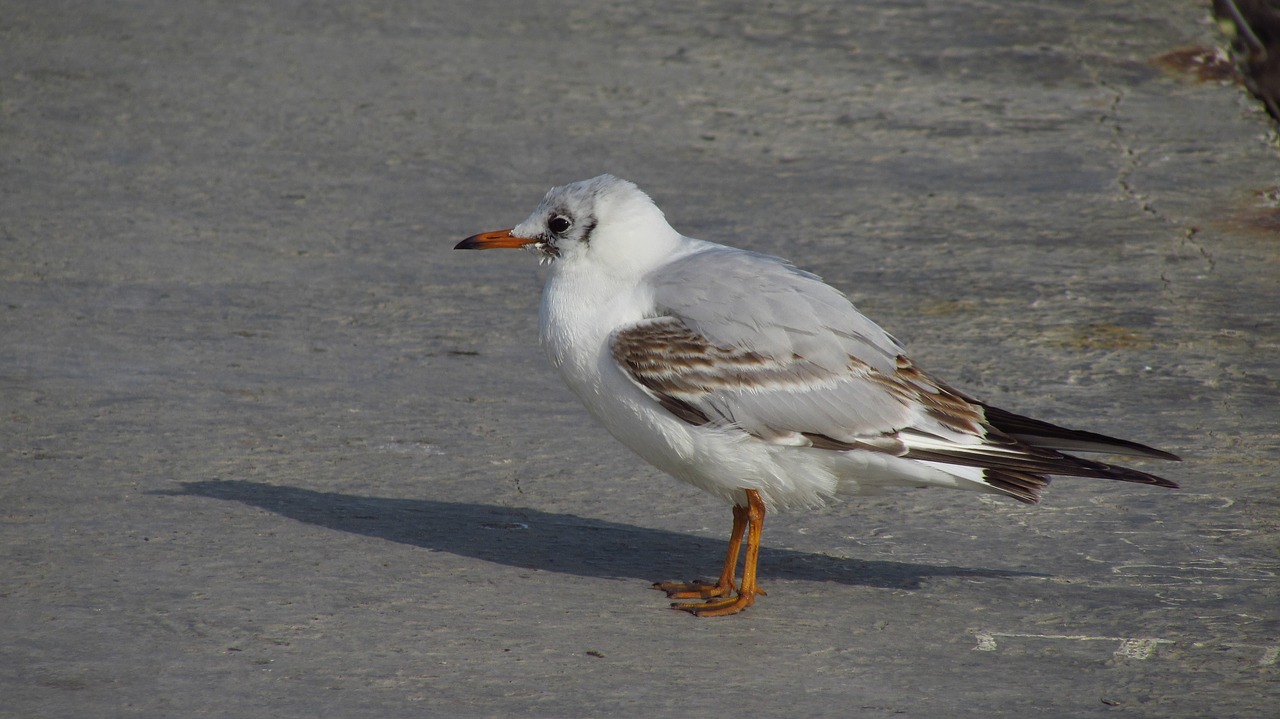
x: 272, y: 449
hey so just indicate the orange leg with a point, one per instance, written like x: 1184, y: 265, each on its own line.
x: 752, y: 516
x: 700, y: 589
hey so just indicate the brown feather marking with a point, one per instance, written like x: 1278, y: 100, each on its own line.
x: 889, y: 444
x: 950, y: 408
x: 1022, y: 486
x: 677, y: 364
x: 671, y: 359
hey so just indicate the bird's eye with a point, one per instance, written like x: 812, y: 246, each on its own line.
x: 559, y: 224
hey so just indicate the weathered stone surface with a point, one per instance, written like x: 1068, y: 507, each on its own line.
x: 271, y: 448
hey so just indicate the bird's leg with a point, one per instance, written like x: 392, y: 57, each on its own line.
x: 700, y: 589
x: 746, y: 596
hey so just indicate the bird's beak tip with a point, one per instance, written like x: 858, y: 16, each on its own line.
x: 492, y: 240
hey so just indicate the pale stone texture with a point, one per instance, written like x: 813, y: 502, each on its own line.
x: 272, y: 449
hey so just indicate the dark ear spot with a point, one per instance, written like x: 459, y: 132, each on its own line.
x: 587, y: 230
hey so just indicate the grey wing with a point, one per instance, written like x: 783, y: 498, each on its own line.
x: 736, y: 298
x: 750, y: 341
x: 747, y: 341
x: 784, y: 400
x: 796, y: 402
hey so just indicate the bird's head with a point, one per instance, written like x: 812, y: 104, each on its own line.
x: 606, y: 220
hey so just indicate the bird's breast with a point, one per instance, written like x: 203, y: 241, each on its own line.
x: 578, y: 316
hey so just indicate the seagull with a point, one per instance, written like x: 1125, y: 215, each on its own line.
x: 757, y: 382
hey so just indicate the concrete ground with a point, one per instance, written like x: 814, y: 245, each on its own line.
x: 272, y: 449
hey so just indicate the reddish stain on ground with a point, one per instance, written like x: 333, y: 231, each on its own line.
x: 1204, y: 64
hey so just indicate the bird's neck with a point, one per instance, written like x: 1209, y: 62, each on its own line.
x: 580, y: 308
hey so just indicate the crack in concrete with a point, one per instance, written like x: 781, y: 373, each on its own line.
x: 1189, y: 241
x: 1130, y: 160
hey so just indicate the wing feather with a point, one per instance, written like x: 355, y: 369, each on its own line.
x: 766, y: 305
x: 770, y: 398
x: 749, y: 342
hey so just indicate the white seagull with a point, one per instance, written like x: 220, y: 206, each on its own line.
x: 757, y: 382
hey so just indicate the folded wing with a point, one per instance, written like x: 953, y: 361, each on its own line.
x: 774, y: 352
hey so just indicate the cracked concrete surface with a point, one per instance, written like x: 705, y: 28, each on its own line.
x: 271, y: 448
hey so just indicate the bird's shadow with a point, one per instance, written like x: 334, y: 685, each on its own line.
x: 565, y: 543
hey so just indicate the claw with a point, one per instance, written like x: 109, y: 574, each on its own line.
x: 721, y: 608
x: 697, y: 589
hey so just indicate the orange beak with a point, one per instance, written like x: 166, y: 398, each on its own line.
x: 493, y: 240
